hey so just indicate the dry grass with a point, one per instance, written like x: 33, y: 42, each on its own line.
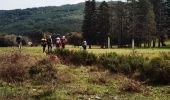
x: 65, y: 77
x: 130, y: 85
x: 99, y: 77
x: 13, y: 67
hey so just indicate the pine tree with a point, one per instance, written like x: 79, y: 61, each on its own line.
x: 160, y: 18
x: 103, y: 23
x: 89, y: 23
x: 132, y: 20
x: 121, y: 24
x: 146, y: 22
x: 168, y: 17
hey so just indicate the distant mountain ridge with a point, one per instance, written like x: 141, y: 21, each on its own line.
x: 65, y: 18
x: 54, y: 19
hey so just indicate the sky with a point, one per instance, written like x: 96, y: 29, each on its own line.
x: 22, y: 4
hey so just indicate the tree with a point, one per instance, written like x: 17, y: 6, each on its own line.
x: 89, y: 23
x: 120, y: 25
x: 168, y: 17
x: 103, y: 23
x: 146, y: 22
x: 132, y: 20
x: 160, y: 18
x: 75, y: 38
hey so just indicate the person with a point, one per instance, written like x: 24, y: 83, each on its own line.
x: 63, y: 42
x: 19, y: 41
x: 43, y: 43
x: 49, y: 43
x: 84, y: 44
x: 58, y: 42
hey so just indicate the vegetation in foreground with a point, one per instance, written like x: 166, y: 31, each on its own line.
x: 31, y: 77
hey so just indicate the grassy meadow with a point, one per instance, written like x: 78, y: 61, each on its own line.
x: 146, y: 52
x: 58, y: 81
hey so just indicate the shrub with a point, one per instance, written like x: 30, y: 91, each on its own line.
x: 64, y: 54
x: 158, y: 71
x: 7, y: 40
x: 76, y: 57
x: 83, y: 57
x: 43, y: 71
x: 12, y: 73
x: 13, y: 67
x: 75, y: 38
x: 129, y: 85
x: 135, y: 62
x: 109, y: 61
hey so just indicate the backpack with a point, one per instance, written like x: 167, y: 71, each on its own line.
x: 49, y: 41
x: 19, y: 39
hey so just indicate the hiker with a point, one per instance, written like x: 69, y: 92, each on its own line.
x: 49, y: 43
x: 43, y: 43
x: 58, y: 42
x: 84, y: 45
x: 19, y: 41
x: 63, y: 42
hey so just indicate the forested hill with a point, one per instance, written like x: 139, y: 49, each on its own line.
x: 60, y: 19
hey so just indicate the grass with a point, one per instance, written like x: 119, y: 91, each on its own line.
x: 37, y: 51
x: 79, y: 87
x: 81, y: 82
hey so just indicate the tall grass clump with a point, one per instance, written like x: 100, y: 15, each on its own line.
x: 13, y: 66
x: 43, y: 71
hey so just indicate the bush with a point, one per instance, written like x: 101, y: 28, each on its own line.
x: 109, y: 61
x: 12, y: 73
x: 83, y: 57
x: 129, y: 85
x: 76, y: 57
x: 158, y: 71
x: 43, y: 71
x: 13, y: 67
x: 136, y: 62
x: 121, y: 64
x: 7, y: 40
x: 75, y: 38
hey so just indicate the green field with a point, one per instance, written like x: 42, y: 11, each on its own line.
x: 80, y: 82
x: 146, y: 52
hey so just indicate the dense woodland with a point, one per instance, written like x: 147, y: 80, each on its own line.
x: 144, y: 21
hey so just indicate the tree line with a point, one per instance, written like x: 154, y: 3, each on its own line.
x: 146, y: 22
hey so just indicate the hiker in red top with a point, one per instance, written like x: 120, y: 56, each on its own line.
x: 63, y: 42
x: 49, y: 43
x: 58, y: 42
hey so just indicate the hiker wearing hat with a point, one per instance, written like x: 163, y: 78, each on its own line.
x: 58, y: 42
x: 49, y: 43
x: 43, y: 43
x: 63, y: 42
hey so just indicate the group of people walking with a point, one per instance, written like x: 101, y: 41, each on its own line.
x: 48, y: 42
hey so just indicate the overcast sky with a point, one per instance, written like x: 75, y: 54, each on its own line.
x: 21, y: 4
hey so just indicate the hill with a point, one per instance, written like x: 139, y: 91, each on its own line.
x: 60, y: 19
x: 53, y: 19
